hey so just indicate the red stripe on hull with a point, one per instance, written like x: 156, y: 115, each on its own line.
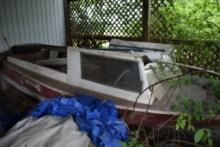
x: 30, y: 84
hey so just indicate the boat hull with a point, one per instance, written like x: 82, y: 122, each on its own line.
x: 40, y: 90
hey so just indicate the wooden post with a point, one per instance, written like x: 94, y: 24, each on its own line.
x: 146, y: 19
x: 67, y: 23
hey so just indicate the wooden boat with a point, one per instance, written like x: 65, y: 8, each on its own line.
x: 121, y: 73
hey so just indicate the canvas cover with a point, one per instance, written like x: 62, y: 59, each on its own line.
x: 47, y: 131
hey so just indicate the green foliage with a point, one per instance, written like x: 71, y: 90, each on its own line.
x: 192, y: 110
x: 210, y: 84
x: 203, y: 136
x: 184, y: 120
x: 184, y: 80
x: 132, y: 143
x: 214, y: 87
x: 163, y: 70
x: 198, y: 110
x: 194, y: 20
x: 133, y: 140
x: 199, y: 54
x: 197, y: 19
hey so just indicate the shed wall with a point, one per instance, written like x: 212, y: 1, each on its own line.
x: 31, y: 21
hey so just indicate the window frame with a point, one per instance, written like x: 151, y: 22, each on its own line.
x: 75, y: 77
x: 118, y: 60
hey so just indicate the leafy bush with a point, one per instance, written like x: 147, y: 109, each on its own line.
x: 194, y: 110
x: 195, y: 20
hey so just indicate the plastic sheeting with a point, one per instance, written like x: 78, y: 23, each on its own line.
x: 98, y: 118
x: 47, y: 131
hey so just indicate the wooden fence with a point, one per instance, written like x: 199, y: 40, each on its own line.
x: 106, y: 19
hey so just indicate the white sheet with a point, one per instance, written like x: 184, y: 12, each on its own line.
x: 47, y: 131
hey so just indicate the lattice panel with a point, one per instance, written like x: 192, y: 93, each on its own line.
x: 199, y: 54
x: 158, y: 29
x: 111, y: 18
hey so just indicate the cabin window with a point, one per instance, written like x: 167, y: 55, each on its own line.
x: 114, y: 72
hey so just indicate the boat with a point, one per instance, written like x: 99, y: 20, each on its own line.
x: 123, y: 73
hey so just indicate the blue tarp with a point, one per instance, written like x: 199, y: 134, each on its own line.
x: 98, y: 118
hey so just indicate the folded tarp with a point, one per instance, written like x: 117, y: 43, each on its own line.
x: 96, y: 117
x: 47, y: 131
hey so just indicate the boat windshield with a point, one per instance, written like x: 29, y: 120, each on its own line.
x: 123, y: 74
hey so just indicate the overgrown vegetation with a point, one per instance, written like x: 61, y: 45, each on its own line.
x: 197, y: 20
x: 192, y: 111
x: 132, y: 142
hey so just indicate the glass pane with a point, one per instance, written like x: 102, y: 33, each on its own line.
x: 113, y: 72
